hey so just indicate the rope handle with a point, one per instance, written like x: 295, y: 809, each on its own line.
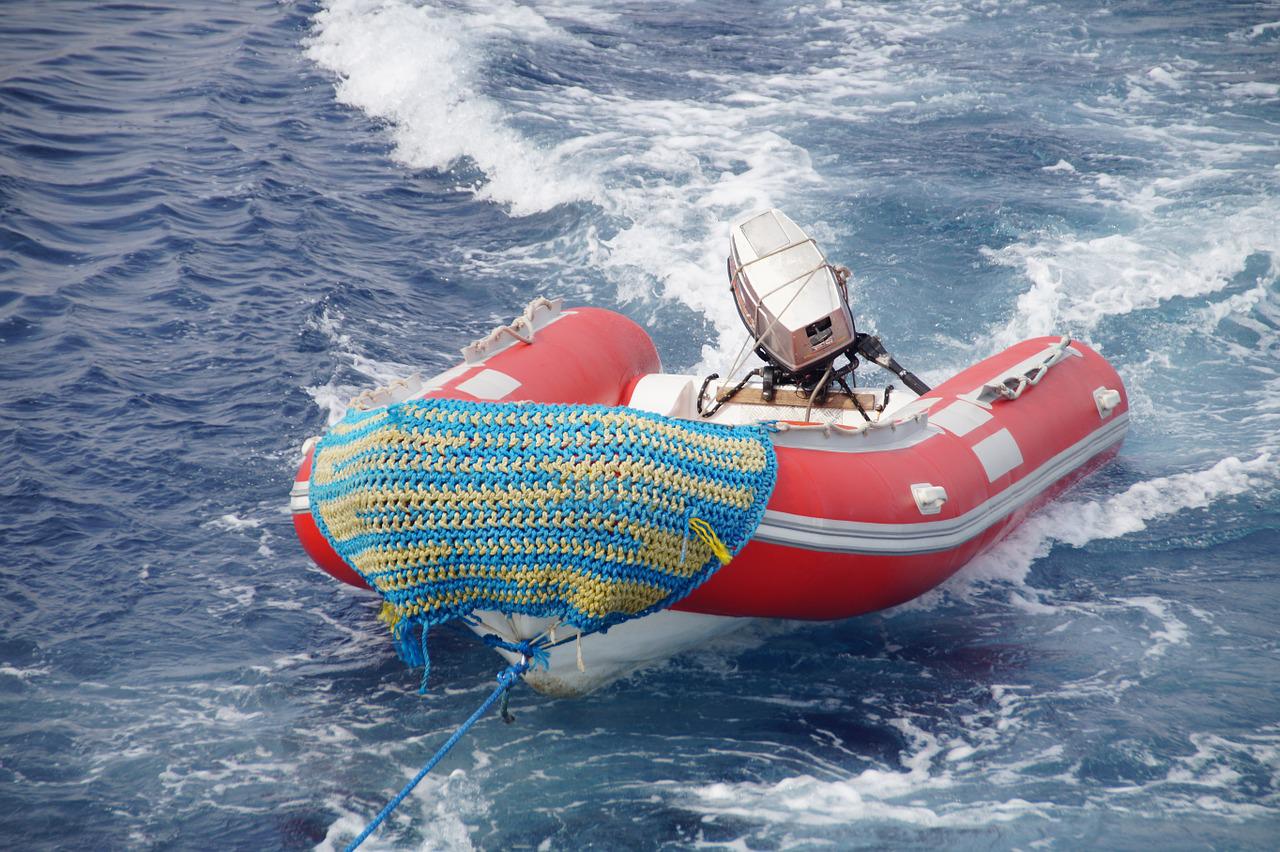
x: 1012, y: 387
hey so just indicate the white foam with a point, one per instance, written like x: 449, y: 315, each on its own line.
x: 1166, y: 77
x: 237, y: 524
x: 234, y: 716
x: 668, y: 173
x: 415, y: 68
x: 335, y: 396
x: 1253, y: 89
x: 1207, y: 782
x: 238, y: 597
x: 1210, y: 766
x: 234, y: 523
x: 1077, y: 523
x: 1184, y: 223
x: 1173, y: 631
x: 439, y: 808
x: 1257, y: 30
x: 937, y: 771
x: 874, y: 794
x: 21, y: 673
x: 1077, y: 282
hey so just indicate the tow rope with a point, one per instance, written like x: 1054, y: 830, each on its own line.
x: 587, y: 514
x: 506, y: 679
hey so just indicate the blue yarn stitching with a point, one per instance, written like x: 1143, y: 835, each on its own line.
x: 604, y: 440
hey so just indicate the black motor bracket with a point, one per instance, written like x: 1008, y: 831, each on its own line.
x: 870, y: 347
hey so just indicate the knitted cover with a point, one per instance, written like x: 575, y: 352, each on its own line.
x: 585, y: 513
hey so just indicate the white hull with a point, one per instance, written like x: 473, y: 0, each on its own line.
x: 607, y: 656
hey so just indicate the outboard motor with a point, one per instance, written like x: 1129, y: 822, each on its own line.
x: 796, y: 306
x: 790, y: 298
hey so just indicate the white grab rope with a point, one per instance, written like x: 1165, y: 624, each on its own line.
x: 1012, y: 387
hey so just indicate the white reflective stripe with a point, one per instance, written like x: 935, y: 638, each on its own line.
x: 999, y: 454
x: 439, y: 380
x: 300, y: 498
x: 960, y: 417
x: 833, y: 536
x: 489, y: 384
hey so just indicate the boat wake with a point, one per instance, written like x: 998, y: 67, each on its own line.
x: 1076, y: 523
x: 1109, y: 657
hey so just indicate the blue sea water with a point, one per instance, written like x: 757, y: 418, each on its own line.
x: 218, y: 221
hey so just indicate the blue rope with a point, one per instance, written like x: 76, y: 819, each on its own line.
x: 535, y: 653
x: 506, y: 679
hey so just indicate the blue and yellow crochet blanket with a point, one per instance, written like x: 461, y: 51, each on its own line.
x: 589, y: 514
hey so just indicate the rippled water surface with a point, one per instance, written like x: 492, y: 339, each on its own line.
x: 218, y: 221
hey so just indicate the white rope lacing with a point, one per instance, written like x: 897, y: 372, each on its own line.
x: 398, y: 391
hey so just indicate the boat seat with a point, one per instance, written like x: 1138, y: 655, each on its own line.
x: 665, y: 394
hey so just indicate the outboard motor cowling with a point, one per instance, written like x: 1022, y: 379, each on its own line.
x: 796, y: 307
x: 792, y: 301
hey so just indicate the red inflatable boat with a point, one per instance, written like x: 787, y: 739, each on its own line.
x: 878, y: 499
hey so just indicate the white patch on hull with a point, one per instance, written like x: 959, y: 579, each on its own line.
x: 607, y: 656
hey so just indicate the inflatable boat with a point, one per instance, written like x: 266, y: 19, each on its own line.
x: 879, y: 495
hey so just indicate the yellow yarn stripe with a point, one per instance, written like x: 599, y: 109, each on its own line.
x: 585, y: 513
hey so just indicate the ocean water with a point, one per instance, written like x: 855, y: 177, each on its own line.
x: 218, y: 221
